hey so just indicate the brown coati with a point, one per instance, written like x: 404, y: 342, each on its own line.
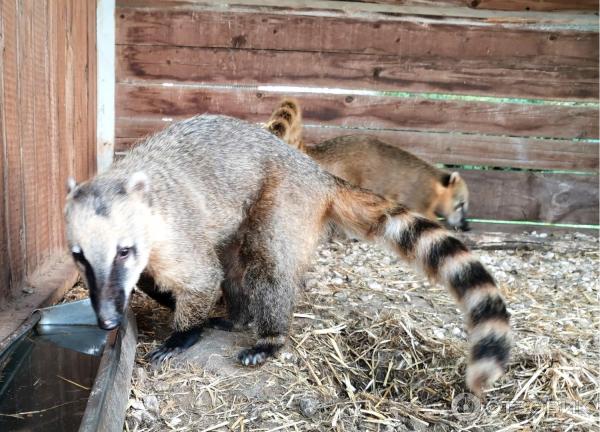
x: 214, y: 205
x: 370, y: 163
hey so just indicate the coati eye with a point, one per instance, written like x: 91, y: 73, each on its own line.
x: 123, y: 252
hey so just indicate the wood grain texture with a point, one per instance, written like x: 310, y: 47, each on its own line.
x: 443, y: 10
x: 454, y: 149
x: 45, y: 119
x: 27, y: 124
x: 392, y: 54
x: 412, y: 113
x: 4, y: 256
x: 13, y: 199
x: 402, y: 36
x: 557, y: 198
x: 535, y: 5
x: 506, y: 77
x: 41, y: 130
x: 506, y: 5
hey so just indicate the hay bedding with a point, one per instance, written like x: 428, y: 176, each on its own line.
x: 374, y: 346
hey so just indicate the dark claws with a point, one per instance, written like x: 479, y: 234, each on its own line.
x: 178, y: 342
x: 163, y: 353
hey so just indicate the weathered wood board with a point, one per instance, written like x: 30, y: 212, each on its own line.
x: 47, y: 117
x: 381, y: 112
x: 393, y: 54
x: 531, y: 196
x: 535, y: 5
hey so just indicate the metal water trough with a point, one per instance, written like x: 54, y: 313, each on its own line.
x: 59, y: 371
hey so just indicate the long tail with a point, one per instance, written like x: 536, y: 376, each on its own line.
x: 286, y: 123
x: 443, y: 258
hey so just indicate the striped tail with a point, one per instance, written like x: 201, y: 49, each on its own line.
x: 286, y: 123
x: 443, y: 258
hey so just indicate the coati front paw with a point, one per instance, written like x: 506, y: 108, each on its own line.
x: 256, y: 355
x: 162, y: 353
x: 178, y: 342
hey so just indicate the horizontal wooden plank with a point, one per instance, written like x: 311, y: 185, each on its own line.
x: 414, y: 113
x: 446, y: 10
x: 525, y: 78
x: 487, y: 54
x: 504, y: 5
x: 556, y: 198
x: 535, y: 5
x: 445, y: 148
x: 399, y: 36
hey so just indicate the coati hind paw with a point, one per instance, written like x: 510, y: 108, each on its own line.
x: 178, y: 342
x: 257, y: 355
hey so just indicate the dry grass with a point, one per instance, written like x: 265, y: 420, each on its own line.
x: 375, y: 347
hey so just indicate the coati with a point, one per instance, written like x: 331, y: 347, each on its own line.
x: 215, y: 205
x: 370, y: 163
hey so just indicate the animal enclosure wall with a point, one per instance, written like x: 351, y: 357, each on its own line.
x: 47, y: 128
x: 510, y: 99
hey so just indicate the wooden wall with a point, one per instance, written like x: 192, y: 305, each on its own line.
x: 511, y: 98
x: 47, y: 127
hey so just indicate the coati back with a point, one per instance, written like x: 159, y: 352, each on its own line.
x: 216, y: 205
x: 370, y: 163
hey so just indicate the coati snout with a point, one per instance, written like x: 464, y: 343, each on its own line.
x: 106, y: 231
x: 453, y: 202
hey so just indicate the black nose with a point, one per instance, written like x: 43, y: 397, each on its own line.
x: 108, y: 324
x: 464, y: 225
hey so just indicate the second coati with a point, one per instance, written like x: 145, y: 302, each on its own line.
x: 214, y: 205
x: 368, y: 162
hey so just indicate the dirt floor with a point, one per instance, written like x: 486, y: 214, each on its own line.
x: 374, y: 346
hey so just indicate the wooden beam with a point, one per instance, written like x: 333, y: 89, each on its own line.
x: 144, y: 104
x: 447, y: 10
x: 529, y: 196
x: 535, y: 5
x: 534, y: 77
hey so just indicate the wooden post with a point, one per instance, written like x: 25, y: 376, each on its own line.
x: 105, y: 130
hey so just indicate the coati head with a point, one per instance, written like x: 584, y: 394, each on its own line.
x: 454, y: 202
x: 107, y: 225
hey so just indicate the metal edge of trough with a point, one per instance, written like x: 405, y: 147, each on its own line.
x: 107, y: 403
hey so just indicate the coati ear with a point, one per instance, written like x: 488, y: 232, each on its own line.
x: 138, y: 183
x: 71, y: 184
x: 454, y: 178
